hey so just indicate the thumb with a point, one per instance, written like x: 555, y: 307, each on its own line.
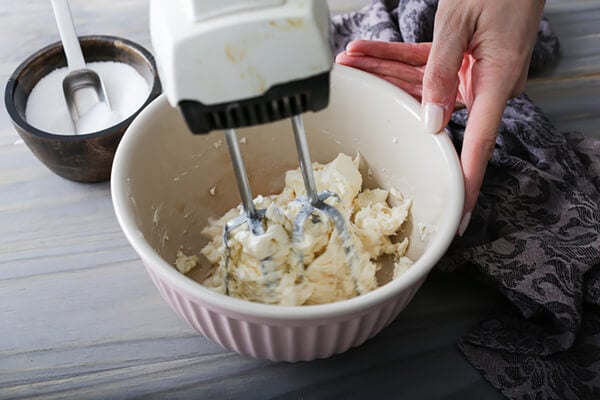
x: 440, y: 78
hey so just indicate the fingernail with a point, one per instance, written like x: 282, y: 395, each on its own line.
x: 350, y: 51
x: 354, y: 53
x: 464, y: 223
x: 433, y: 117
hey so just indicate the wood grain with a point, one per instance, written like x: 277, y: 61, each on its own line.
x: 569, y: 93
x: 81, y: 319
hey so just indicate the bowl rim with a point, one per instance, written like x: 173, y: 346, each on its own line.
x: 266, y: 312
x: 20, y: 122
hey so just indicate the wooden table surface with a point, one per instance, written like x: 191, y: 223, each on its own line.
x: 79, y: 317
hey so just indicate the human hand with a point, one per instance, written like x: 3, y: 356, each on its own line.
x: 402, y: 64
x: 479, y: 57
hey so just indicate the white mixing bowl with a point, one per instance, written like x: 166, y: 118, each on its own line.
x: 161, y: 186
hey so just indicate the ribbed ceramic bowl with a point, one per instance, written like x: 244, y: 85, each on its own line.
x: 161, y: 187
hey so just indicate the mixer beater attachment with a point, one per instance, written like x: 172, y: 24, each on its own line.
x: 313, y: 205
x: 251, y: 216
x: 315, y: 201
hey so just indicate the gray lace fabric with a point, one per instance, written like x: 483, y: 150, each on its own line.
x: 534, y: 234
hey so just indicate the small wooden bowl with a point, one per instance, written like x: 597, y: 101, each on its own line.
x: 85, y: 157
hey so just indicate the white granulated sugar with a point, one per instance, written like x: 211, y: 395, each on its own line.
x: 125, y: 87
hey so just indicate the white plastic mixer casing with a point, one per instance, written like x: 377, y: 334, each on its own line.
x: 239, y: 51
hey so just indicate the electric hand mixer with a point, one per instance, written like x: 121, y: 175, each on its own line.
x: 236, y: 63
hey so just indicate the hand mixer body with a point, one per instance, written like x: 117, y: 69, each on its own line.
x: 228, y: 64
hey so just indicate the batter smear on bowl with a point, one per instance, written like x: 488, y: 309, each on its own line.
x: 274, y: 268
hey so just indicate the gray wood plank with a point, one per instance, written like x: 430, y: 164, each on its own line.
x: 414, y: 357
x: 572, y: 104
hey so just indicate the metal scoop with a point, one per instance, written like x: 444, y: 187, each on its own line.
x: 82, y: 87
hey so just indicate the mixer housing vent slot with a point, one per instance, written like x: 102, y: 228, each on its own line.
x: 279, y: 102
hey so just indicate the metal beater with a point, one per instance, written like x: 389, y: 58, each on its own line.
x: 247, y: 62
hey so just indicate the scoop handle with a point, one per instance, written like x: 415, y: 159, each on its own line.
x: 69, y: 39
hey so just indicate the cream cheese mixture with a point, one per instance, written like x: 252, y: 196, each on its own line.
x: 275, y: 269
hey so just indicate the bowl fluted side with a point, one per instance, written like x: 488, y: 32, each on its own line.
x: 278, y: 340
